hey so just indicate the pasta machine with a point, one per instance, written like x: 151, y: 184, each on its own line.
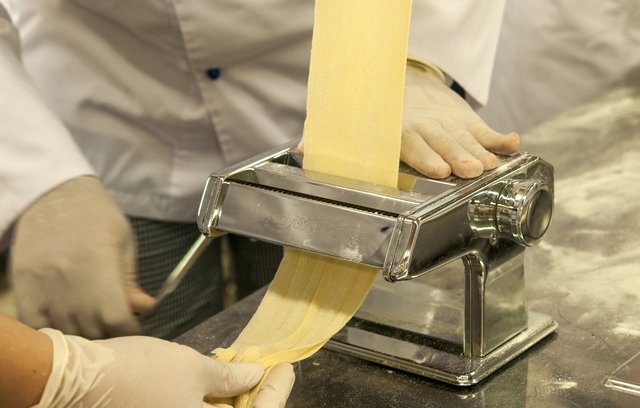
x: 452, y: 248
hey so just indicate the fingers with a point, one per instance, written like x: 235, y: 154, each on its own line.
x: 494, y: 141
x: 36, y: 320
x: 463, y: 164
x: 115, y: 314
x: 276, y: 387
x: 472, y: 145
x: 419, y: 155
x: 119, y: 319
x: 119, y: 323
x: 90, y: 326
x: 451, y: 129
x: 109, y: 300
x: 229, y: 379
x: 139, y: 301
x: 437, y: 149
x: 29, y: 311
x: 62, y: 320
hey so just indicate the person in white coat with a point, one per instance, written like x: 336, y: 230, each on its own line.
x: 141, y: 100
x: 553, y: 55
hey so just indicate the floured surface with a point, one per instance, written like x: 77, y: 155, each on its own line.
x: 586, y: 272
x: 593, y: 244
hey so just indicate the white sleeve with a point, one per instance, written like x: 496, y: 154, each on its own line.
x: 460, y: 37
x: 36, y: 151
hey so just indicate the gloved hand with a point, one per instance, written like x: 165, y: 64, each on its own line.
x: 72, y: 263
x: 441, y: 134
x: 148, y: 372
x: 276, y: 387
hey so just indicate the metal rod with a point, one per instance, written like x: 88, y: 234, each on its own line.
x: 179, y: 272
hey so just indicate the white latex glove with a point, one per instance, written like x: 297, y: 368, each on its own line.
x: 276, y: 388
x: 441, y: 133
x: 73, y: 263
x: 145, y: 372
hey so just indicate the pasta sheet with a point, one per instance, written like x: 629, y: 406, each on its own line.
x: 353, y: 128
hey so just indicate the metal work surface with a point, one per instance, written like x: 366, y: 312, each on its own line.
x: 585, y: 274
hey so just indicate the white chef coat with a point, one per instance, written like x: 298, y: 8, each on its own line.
x: 159, y: 94
x: 553, y: 55
x: 36, y: 150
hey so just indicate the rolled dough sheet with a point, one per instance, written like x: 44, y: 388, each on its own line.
x: 353, y: 128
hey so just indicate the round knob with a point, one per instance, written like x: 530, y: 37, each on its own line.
x: 523, y: 211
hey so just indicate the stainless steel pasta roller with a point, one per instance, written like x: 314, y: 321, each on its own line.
x: 452, y: 303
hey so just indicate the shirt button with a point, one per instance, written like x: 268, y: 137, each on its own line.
x: 213, y: 73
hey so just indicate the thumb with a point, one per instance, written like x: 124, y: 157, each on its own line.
x: 231, y: 379
x: 275, y: 389
x: 139, y: 301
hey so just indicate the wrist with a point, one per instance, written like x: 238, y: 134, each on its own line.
x: 59, y: 361
x: 413, y: 62
x: 76, y: 369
